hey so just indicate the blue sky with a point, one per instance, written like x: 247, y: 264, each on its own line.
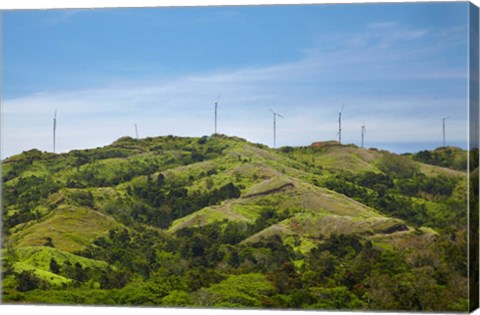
x: 400, y: 68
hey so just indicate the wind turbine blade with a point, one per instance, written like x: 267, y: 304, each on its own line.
x: 279, y: 115
x: 272, y: 111
x: 341, y: 110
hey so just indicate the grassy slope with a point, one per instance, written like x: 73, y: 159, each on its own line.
x: 336, y: 157
x: 316, y: 213
x: 37, y: 258
x: 70, y: 229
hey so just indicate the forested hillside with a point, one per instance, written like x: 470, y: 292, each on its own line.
x: 221, y: 222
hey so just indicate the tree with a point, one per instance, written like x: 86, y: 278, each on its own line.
x: 79, y: 274
x: 160, y: 180
x: 8, y: 260
x: 54, y: 267
x: 27, y: 280
x: 397, y: 166
x: 177, y: 298
x: 48, y: 242
x: 285, y: 278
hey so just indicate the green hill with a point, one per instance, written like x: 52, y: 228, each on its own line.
x: 198, y: 221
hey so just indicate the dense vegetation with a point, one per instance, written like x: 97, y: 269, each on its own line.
x: 445, y: 156
x: 220, y: 222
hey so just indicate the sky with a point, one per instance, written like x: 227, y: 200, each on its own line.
x: 398, y: 68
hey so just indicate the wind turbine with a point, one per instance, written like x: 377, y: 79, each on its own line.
x: 275, y: 127
x: 364, y: 133
x: 340, y: 125
x: 54, y: 128
x: 136, y: 131
x: 443, y: 125
x: 216, y: 107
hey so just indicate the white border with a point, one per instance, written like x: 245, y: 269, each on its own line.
x: 79, y: 4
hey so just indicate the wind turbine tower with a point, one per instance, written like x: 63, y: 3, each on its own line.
x: 340, y: 125
x: 54, y: 129
x: 364, y: 133
x: 136, y: 131
x: 216, y: 108
x: 275, y: 127
x: 443, y: 128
